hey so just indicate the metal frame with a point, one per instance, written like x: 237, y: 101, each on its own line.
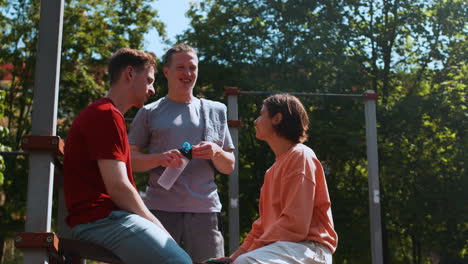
x: 44, y: 122
x: 370, y: 98
x: 233, y: 210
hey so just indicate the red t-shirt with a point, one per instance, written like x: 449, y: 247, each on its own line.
x: 99, y: 132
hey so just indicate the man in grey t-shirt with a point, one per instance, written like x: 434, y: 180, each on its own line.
x: 189, y: 209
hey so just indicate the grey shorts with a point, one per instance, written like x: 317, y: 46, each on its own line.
x: 198, y: 233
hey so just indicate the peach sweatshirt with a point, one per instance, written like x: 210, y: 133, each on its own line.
x: 294, y: 203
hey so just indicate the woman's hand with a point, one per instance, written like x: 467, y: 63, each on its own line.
x: 236, y: 254
x: 218, y: 260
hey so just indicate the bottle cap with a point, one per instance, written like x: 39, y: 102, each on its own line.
x: 186, y: 150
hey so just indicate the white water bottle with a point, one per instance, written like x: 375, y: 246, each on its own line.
x: 169, y: 176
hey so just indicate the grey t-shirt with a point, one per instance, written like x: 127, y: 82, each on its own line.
x: 165, y: 125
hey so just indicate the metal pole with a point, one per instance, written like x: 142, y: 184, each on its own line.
x: 355, y: 96
x: 373, y: 170
x: 44, y: 121
x: 234, y: 179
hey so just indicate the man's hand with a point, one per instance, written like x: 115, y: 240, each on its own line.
x: 171, y: 159
x: 205, y: 150
x: 223, y: 160
x: 143, y: 162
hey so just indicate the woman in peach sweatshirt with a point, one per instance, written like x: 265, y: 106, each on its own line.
x: 295, y: 223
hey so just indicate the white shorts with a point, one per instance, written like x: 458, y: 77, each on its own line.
x: 282, y: 252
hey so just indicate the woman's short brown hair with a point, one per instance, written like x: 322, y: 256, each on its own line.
x: 295, y: 121
x: 125, y: 57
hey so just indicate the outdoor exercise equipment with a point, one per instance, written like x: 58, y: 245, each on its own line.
x: 39, y: 243
x: 369, y: 98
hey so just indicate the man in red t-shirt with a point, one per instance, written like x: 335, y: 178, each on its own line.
x: 103, y: 203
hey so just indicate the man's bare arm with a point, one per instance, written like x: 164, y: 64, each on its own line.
x: 143, y: 162
x: 122, y: 192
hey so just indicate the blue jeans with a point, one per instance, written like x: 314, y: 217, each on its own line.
x: 133, y: 239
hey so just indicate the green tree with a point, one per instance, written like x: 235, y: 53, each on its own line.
x: 3, y: 148
x: 414, y: 48
x: 423, y: 172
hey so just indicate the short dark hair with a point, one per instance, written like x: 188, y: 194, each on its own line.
x: 181, y: 47
x: 125, y: 57
x: 295, y: 121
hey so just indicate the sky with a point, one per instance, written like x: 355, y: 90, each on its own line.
x: 172, y: 13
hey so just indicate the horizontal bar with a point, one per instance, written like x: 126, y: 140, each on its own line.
x: 355, y: 96
x: 234, y: 123
x: 16, y: 153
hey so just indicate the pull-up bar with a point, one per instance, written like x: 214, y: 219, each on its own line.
x: 370, y: 98
x: 355, y: 96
